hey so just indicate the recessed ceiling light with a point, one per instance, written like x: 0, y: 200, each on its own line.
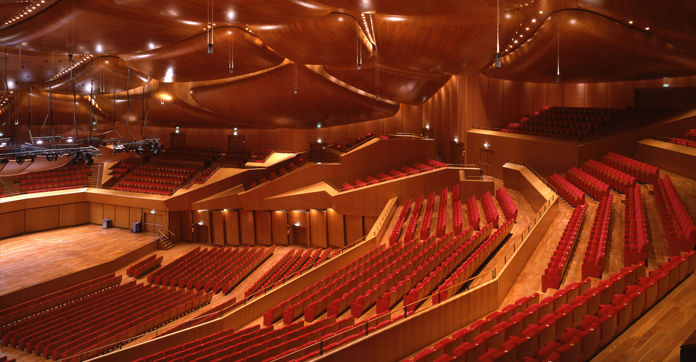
x: 527, y: 29
x: 541, y: 12
x: 152, y: 46
x: 647, y: 28
x: 630, y: 21
x: 533, y: 20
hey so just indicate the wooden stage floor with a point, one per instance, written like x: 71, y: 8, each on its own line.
x: 35, y: 258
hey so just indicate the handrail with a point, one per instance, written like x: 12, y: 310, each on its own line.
x: 543, y: 179
x: 332, y: 185
x: 669, y: 140
x: 488, y: 128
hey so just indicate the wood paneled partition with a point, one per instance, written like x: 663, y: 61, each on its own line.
x: 44, y: 218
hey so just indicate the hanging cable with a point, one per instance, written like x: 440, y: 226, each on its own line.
x: 230, y: 51
x: 91, y: 99
x: 497, y: 62
x: 374, y: 38
x: 128, y: 102
x: 72, y: 82
x: 295, y: 76
x: 359, y: 49
x: 7, y: 89
x: 558, y: 60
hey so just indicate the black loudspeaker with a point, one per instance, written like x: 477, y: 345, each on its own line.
x: 106, y: 223
x: 137, y: 227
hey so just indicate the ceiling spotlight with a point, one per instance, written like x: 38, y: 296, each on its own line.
x: 39, y: 142
x: 49, y: 158
x: 19, y: 159
x: 630, y: 21
x: 200, y: 223
x: 533, y: 20
x: 541, y: 12
x: 70, y: 140
x: 647, y: 28
x: 152, y: 46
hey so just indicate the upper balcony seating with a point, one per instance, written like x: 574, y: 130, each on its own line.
x: 677, y: 221
x: 360, y: 140
x: 636, y: 238
x: 121, y: 169
x: 690, y: 135
x: 291, y: 166
x: 562, y: 122
x: 506, y: 204
x: 573, y: 324
x: 158, y: 180
x: 393, y: 174
x: 211, y: 269
x: 643, y: 172
x: 66, y: 177
x: 595, y: 188
x: 618, y: 180
x: 569, y: 192
x: 239, y: 154
x: 593, y: 262
x: 679, y: 141
x: 208, y: 153
x: 211, y: 314
x: 204, y: 175
x: 556, y: 268
x: 87, y: 327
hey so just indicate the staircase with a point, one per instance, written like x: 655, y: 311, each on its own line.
x: 163, y: 242
x: 93, y: 180
x: 9, y: 188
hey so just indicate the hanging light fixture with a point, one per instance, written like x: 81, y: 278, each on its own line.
x: 211, y: 26
x: 498, y: 63
x: 359, y: 50
x: 558, y: 59
x: 295, y: 76
x: 230, y: 47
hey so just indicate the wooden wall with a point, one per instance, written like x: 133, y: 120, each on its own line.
x: 43, y: 218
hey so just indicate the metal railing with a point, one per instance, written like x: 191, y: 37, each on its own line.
x: 673, y: 140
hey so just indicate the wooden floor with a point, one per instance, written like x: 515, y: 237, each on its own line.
x: 35, y: 258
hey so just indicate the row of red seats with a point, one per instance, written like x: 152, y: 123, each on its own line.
x: 635, y: 229
x: 413, y: 222
x: 601, y: 112
x: 573, y: 324
x: 205, y: 175
x: 54, y: 186
x: 551, y: 121
x: 161, y: 174
x: 473, y: 212
x: 121, y: 169
x: 506, y: 204
x: 285, y: 267
x: 211, y: 314
x: 556, y: 268
x: 196, y: 149
x: 214, y: 269
x: 441, y: 271
x: 141, y: 190
x: 188, y: 153
x: 393, y: 174
x: 679, y: 141
x: 641, y: 171
x: 291, y: 166
x: 330, y: 282
x: 64, y: 171
x: 588, y: 183
x: 56, y: 299
x: 616, y: 179
x: 147, y: 267
x: 78, y: 175
x: 4, y: 359
x: 428, y: 217
x: 489, y: 210
x: 676, y: 220
x: 130, y: 269
x: 149, y: 186
x: 87, y: 327
x: 167, y: 169
x: 396, y: 232
x: 366, y: 281
x: 360, y: 140
x: 408, y: 268
x: 441, y: 225
x: 593, y: 262
x: 153, y: 180
x: 690, y: 134
x: 569, y: 192
x: 473, y: 262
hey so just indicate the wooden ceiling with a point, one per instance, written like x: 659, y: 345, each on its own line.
x: 407, y: 50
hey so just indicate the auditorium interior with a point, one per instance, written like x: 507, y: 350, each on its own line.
x: 347, y: 180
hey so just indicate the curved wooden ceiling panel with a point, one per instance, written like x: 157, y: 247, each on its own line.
x: 593, y: 48
x: 457, y: 44
x: 188, y: 60
x: 233, y: 11
x: 423, y: 7
x: 329, y: 40
x: 110, y: 75
x: 267, y: 99
x: 396, y: 84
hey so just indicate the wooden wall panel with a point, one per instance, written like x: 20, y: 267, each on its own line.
x: 300, y: 140
x: 246, y: 227
x: 620, y: 95
x: 510, y: 101
x: 110, y: 212
x: 11, y: 224
x: 394, y: 123
x: 263, y: 227
x: 337, y: 236
x: 174, y: 221
x: 43, y: 218
x: 356, y: 130
x: 135, y: 214
x: 525, y: 99
x: 412, y: 118
x: 279, y: 224
x: 375, y: 127
x: 354, y: 228
x: 554, y: 96
x: 540, y: 96
x: 323, y: 134
x: 251, y: 136
x: 339, y: 135
x: 318, y: 228
x: 596, y: 95
x: 74, y: 214
x: 218, y: 226
x: 232, y: 232
x: 267, y: 139
x: 96, y: 213
x: 186, y: 226
x: 480, y: 90
x: 574, y: 94
x: 301, y: 219
x: 495, y: 102
x: 121, y: 217
x: 284, y: 139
